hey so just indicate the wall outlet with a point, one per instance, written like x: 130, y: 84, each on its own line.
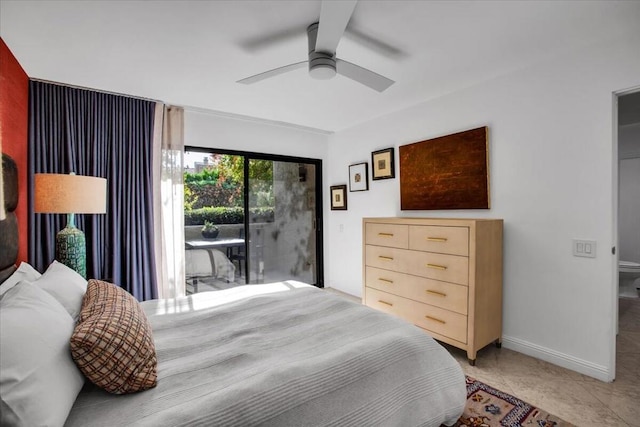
x: 584, y: 248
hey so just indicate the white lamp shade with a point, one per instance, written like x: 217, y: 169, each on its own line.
x: 59, y: 193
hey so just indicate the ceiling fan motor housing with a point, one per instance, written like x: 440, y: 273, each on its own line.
x: 322, y: 66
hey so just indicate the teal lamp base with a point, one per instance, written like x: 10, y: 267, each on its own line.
x: 71, y: 247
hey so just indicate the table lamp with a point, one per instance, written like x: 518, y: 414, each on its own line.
x: 70, y: 194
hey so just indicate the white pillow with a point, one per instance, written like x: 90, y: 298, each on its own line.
x: 24, y: 272
x: 38, y: 379
x: 65, y: 285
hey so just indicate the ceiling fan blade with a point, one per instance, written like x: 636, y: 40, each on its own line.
x: 334, y: 17
x: 368, y: 78
x: 254, y: 44
x: 373, y: 43
x: 273, y: 73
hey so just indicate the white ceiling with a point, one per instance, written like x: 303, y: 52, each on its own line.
x: 191, y: 53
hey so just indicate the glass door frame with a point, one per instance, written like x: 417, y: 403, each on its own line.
x: 319, y: 229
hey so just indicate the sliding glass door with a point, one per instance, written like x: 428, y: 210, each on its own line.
x: 284, y: 247
x: 251, y: 218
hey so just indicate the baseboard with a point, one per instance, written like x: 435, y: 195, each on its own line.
x: 564, y: 360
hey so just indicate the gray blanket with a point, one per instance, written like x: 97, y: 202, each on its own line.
x: 283, y: 354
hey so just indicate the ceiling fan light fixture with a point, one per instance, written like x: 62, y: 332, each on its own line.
x: 322, y: 66
x: 323, y: 71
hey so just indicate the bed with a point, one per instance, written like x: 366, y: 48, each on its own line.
x: 279, y: 354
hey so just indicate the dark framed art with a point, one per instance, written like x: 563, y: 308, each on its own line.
x: 449, y: 172
x: 358, y: 177
x: 383, y: 164
x: 339, y: 197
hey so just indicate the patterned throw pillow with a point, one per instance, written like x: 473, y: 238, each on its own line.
x: 112, y: 343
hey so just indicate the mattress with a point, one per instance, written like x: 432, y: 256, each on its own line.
x: 283, y: 354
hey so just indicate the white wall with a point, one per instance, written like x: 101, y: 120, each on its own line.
x: 629, y: 193
x: 551, y: 148
x: 629, y: 141
x: 629, y: 209
x: 210, y: 129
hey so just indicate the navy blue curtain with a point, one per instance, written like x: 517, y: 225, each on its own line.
x: 108, y: 136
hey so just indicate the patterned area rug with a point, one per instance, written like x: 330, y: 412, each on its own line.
x: 488, y: 407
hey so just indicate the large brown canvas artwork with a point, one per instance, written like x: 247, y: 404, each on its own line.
x: 449, y: 172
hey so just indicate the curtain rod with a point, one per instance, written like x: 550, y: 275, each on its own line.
x: 96, y: 90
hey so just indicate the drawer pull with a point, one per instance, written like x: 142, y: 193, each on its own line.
x: 437, y: 267
x: 386, y: 258
x: 437, y: 239
x: 384, y: 302
x: 385, y: 280
x: 435, y: 319
x: 385, y: 234
x: 440, y: 294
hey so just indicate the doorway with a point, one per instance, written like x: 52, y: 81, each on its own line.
x: 265, y: 212
x: 627, y: 231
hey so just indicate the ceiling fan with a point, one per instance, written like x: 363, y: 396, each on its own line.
x: 323, y: 38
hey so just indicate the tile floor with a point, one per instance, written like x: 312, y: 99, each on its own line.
x: 576, y: 398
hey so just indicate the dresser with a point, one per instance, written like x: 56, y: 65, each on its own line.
x: 443, y: 275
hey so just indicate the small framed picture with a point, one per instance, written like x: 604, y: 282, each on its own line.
x: 382, y: 164
x: 339, y: 197
x: 358, y: 177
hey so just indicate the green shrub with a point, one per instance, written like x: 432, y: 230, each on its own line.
x: 189, y: 198
x: 218, y: 194
x: 223, y: 215
x: 206, y: 176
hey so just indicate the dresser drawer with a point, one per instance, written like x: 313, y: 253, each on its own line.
x: 444, y: 240
x: 385, y: 302
x: 443, y: 322
x: 448, y: 268
x: 385, y: 258
x: 440, y: 294
x: 391, y: 235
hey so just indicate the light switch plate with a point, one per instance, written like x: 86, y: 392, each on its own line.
x: 584, y: 248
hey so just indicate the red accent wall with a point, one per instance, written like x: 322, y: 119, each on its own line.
x: 14, y: 114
